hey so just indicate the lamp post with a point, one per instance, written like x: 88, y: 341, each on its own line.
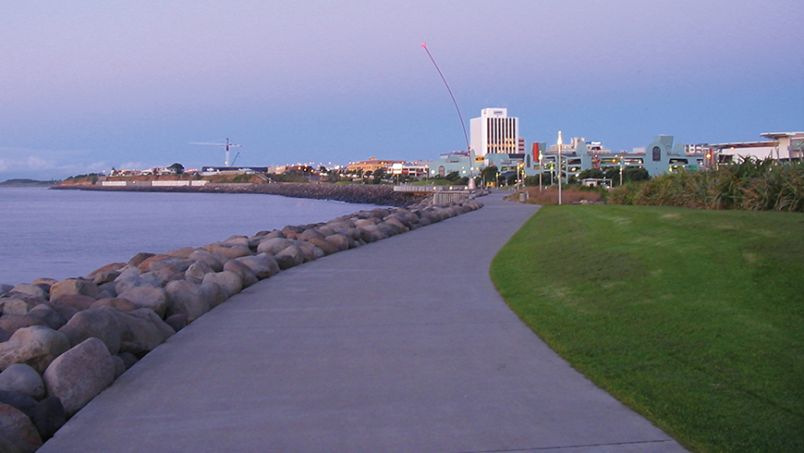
x: 622, y: 162
x: 541, y: 170
x: 559, y: 142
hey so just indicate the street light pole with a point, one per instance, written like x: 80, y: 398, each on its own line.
x: 541, y: 170
x: 559, y: 142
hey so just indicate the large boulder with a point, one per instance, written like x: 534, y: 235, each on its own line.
x: 339, y: 241
x: 290, y: 256
x: 77, y: 302
x: 247, y: 277
x: 30, y: 290
x: 321, y: 242
x: 272, y: 246
x: 21, y: 378
x: 139, y: 258
x: 143, y: 331
x: 73, y: 286
x: 183, y: 252
x: 105, y: 274
x: 186, y: 298
x: 102, y: 323
x: 48, y: 316
x: 369, y: 232
x: 11, y: 323
x: 208, y: 258
x: 48, y: 416
x: 79, y: 374
x: 225, y: 253
x: 5, y: 288
x: 196, y: 272
x: 262, y: 265
x: 241, y: 241
x: 310, y: 251
x: 228, y: 281
x: 17, y: 432
x: 36, y: 346
x: 147, y: 297
x: 116, y: 303
x: 213, y: 293
x: 15, y: 305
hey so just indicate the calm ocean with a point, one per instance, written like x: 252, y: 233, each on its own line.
x: 68, y: 233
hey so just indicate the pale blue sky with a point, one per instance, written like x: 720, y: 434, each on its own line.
x: 87, y: 85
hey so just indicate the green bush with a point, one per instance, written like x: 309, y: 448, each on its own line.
x: 751, y: 185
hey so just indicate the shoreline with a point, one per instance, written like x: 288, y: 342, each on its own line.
x: 382, y: 195
x: 65, y: 341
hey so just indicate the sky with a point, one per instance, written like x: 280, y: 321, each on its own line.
x: 89, y: 85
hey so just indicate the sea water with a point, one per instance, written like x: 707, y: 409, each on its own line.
x: 69, y: 233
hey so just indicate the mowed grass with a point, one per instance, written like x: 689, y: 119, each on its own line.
x: 693, y: 318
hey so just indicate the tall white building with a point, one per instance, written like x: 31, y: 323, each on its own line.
x: 494, y: 132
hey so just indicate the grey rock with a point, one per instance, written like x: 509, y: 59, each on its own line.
x: 225, y: 253
x: 338, y: 241
x: 228, y: 281
x: 14, y: 306
x: 207, y: 258
x: 48, y: 416
x: 144, y: 330
x: 321, y: 242
x: 186, y: 298
x: 236, y: 241
x: 272, y: 246
x: 30, y: 290
x: 73, y: 286
x: 11, y: 323
x: 5, y: 288
x: 48, y: 316
x: 17, y: 431
x: 290, y: 256
x: 261, y: 265
x: 76, y: 301
x: 139, y: 258
x: 36, y: 346
x: 213, y: 293
x: 79, y: 374
x: 102, y: 323
x: 147, y: 297
x: 310, y: 251
x: 247, y: 277
x: 128, y: 359
x: 119, y: 366
x: 115, y: 302
x: 195, y: 273
x: 177, y: 321
x: 105, y: 274
x: 183, y: 252
x: 21, y: 378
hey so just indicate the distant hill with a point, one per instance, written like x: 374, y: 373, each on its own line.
x: 27, y: 183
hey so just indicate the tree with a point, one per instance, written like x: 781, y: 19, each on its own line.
x: 489, y: 173
x: 591, y: 173
x: 177, y: 168
x: 453, y: 176
x: 378, y: 175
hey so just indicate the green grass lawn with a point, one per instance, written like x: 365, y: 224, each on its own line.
x: 693, y: 318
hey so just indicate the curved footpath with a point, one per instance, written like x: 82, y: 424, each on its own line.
x: 403, y: 345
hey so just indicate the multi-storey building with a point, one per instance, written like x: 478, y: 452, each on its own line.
x: 494, y: 132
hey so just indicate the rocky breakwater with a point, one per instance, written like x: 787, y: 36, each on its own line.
x: 63, y: 342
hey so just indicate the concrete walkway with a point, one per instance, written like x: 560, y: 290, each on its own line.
x: 401, y: 345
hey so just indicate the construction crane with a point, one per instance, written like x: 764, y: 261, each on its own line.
x: 227, y: 146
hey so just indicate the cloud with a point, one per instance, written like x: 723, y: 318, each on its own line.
x: 20, y: 162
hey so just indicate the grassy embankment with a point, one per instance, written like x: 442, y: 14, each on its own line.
x: 693, y: 318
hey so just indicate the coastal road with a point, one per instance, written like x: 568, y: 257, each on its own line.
x: 401, y: 345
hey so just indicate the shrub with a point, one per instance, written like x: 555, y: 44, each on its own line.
x: 751, y: 185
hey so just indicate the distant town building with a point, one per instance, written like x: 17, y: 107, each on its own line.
x: 783, y: 146
x: 371, y: 165
x: 412, y: 169
x: 494, y: 132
